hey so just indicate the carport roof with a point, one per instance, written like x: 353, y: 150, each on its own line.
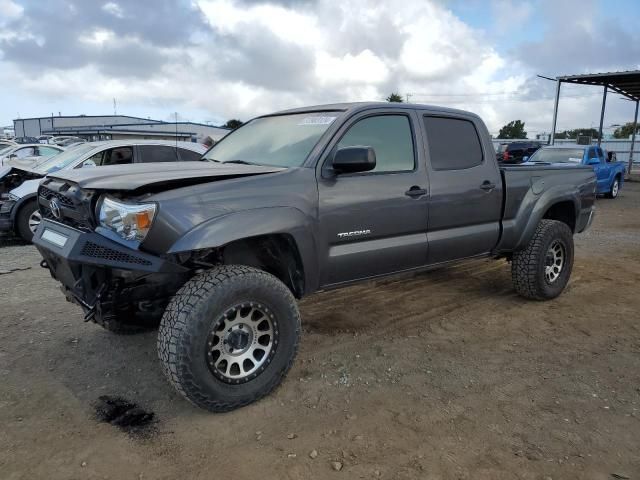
x: 625, y: 83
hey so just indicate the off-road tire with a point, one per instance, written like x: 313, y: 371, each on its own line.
x: 126, y: 323
x: 22, y: 220
x: 528, y: 265
x: 615, y: 188
x: 192, y: 314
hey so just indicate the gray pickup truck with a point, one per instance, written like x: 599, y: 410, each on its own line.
x: 216, y: 252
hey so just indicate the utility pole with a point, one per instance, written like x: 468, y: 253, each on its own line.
x: 115, y: 109
x: 408, y: 95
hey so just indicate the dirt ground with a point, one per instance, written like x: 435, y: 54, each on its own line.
x: 445, y: 375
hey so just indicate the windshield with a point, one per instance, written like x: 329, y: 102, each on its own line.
x: 558, y: 155
x: 282, y: 141
x: 65, y: 159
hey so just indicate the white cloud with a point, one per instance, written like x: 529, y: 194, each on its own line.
x: 261, y: 57
x: 114, y: 9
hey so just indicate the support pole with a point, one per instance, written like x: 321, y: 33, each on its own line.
x: 633, y: 137
x: 604, y: 103
x: 555, y: 113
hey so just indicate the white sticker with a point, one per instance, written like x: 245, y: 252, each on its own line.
x: 575, y: 160
x: 317, y: 120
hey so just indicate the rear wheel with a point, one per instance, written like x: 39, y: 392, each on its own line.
x: 229, y: 336
x: 28, y: 220
x: 615, y: 188
x: 542, y: 270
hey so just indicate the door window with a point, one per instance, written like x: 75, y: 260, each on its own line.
x: 390, y: 137
x: 47, y: 151
x: 25, y: 152
x: 157, y: 153
x: 189, y: 155
x: 453, y: 143
x: 116, y: 156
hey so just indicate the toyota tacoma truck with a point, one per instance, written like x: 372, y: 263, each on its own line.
x: 217, y: 252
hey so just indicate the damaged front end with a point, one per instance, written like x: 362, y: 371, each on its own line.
x: 104, y: 277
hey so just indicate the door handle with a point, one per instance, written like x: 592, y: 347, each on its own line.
x: 415, y: 192
x: 487, y: 186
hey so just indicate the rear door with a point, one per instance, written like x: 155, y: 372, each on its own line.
x: 465, y: 204
x: 374, y: 223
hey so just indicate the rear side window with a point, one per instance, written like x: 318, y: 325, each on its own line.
x: 189, y: 155
x: 390, y: 137
x: 453, y: 143
x: 157, y: 153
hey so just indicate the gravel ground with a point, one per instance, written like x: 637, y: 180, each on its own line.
x: 434, y: 376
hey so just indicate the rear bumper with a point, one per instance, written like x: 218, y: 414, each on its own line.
x: 96, y: 272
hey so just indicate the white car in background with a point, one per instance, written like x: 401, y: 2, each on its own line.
x: 28, y: 154
x: 19, y: 185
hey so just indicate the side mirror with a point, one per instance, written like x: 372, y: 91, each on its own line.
x: 525, y: 159
x: 88, y: 163
x: 593, y: 161
x: 354, y: 159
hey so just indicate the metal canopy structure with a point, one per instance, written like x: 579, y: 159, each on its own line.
x: 625, y: 83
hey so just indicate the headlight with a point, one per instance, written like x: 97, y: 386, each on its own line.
x: 130, y: 221
x: 9, y: 196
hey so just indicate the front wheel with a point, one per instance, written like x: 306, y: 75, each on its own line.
x: 28, y: 220
x: 542, y: 270
x: 228, y: 337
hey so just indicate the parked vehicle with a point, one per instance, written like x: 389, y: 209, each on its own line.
x: 40, y: 154
x: 28, y: 154
x: 289, y: 204
x: 24, y: 140
x: 45, y: 139
x: 65, y: 141
x: 7, y: 143
x: 514, y: 152
x: 609, y: 173
x: 19, y: 185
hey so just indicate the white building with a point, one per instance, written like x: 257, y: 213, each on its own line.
x: 116, y: 127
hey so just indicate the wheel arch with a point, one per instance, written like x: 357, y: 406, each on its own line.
x: 20, y: 204
x: 279, y: 240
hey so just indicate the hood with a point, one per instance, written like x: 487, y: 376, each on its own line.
x: 154, y: 176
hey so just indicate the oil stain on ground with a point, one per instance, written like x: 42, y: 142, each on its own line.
x: 125, y: 415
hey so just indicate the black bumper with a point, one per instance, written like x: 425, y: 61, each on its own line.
x: 98, y: 272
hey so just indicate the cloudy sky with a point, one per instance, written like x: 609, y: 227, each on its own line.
x: 211, y: 60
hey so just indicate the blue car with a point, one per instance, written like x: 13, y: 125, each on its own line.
x: 609, y: 174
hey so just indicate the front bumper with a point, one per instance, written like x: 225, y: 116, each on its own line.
x: 6, y: 220
x: 98, y: 273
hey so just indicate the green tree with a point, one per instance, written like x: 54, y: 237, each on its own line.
x: 233, y: 124
x: 395, y: 97
x: 513, y: 129
x: 577, y: 132
x: 625, y: 130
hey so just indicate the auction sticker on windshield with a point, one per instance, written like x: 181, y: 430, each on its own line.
x: 317, y: 120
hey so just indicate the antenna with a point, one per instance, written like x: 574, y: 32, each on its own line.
x: 176, y: 113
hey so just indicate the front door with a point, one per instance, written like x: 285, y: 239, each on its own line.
x: 374, y: 223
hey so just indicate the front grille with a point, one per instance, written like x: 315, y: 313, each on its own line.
x: 49, y: 194
x: 75, y: 206
x: 90, y: 249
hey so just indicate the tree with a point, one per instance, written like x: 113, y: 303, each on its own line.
x: 233, y: 124
x: 577, y: 132
x: 395, y: 97
x: 513, y: 129
x: 625, y: 130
